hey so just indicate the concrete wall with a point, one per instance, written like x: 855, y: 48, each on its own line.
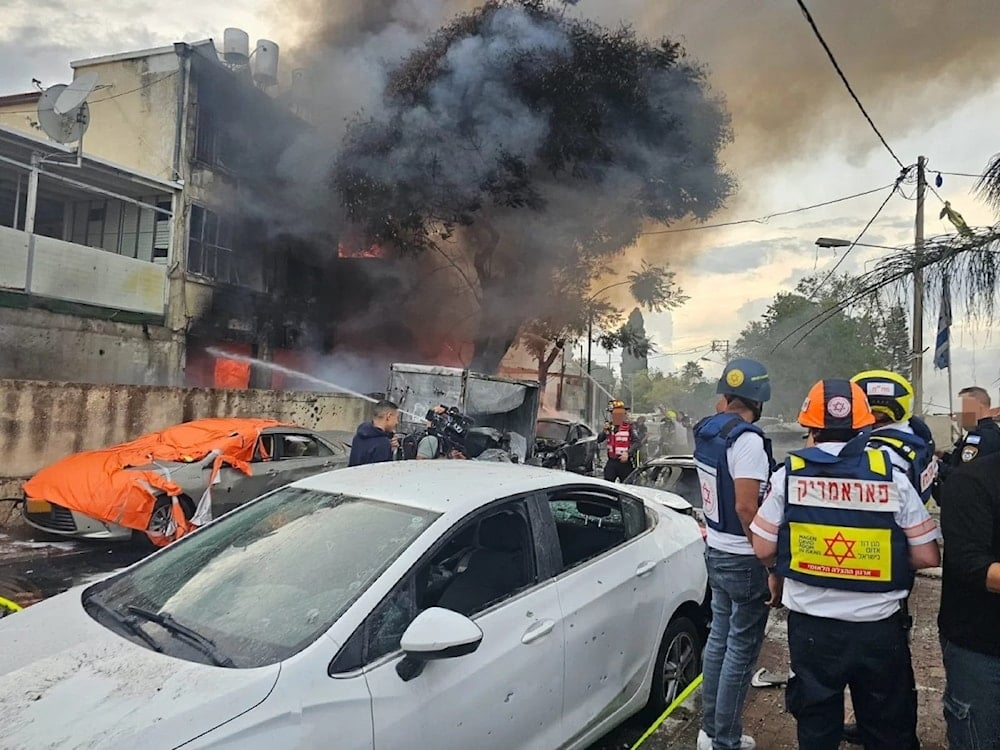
x: 39, y: 344
x: 43, y: 421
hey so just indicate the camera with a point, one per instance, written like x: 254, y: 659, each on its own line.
x: 451, y: 427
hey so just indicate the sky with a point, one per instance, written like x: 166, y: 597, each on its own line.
x: 927, y: 77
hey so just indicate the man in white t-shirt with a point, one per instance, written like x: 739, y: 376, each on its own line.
x: 734, y: 463
x: 846, y: 529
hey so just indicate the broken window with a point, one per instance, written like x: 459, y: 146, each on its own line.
x: 591, y: 523
x: 210, y: 246
x: 484, y: 562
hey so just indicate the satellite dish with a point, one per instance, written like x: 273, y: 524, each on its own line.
x: 62, y: 128
x: 75, y: 94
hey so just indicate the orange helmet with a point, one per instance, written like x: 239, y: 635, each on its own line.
x: 836, y: 405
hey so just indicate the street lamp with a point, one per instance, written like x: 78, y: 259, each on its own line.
x: 590, y: 340
x: 828, y: 242
x: 916, y: 367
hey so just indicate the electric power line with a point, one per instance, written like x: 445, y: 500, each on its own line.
x: 836, y: 66
x: 767, y: 217
x: 103, y: 99
x: 851, y: 247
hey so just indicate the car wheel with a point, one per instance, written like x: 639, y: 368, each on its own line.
x: 562, y: 464
x: 678, y: 664
x: 161, y: 517
x: 589, y: 468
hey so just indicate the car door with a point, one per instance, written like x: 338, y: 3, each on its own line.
x: 611, y: 591
x: 299, y: 455
x: 588, y: 445
x: 575, y: 457
x: 508, y: 693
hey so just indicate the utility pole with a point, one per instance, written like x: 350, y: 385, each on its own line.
x: 917, y: 362
x: 590, y: 382
x: 721, y: 346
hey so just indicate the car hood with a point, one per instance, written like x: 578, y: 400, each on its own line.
x: 68, y: 682
x: 662, y: 497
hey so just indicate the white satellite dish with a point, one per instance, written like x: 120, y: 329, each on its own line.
x: 67, y: 127
x: 75, y: 94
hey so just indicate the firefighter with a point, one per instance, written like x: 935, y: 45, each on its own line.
x: 734, y: 463
x: 622, y: 440
x: 846, y: 530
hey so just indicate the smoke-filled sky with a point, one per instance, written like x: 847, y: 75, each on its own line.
x: 926, y: 71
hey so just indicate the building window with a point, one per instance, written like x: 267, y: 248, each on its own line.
x: 214, y: 145
x: 210, y: 246
x: 128, y: 229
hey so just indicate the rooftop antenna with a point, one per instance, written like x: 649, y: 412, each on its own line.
x: 64, y: 115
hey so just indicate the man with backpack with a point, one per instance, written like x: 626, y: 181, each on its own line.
x: 908, y: 438
x: 911, y: 450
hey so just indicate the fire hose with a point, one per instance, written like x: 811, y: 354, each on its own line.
x: 685, y: 694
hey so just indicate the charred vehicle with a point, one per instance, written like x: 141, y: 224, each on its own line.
x: 166, y: 483
x: 487, y: 417
x: 565, y: 444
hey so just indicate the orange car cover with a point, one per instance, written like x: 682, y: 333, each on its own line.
x: 102, y: 484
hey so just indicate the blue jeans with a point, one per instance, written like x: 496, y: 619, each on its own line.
x: 739, y: 614
x: 971, y: 698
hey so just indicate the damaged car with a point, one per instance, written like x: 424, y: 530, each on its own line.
x: 165, y: 483
x: 470, y: 605
x: 566, y: 445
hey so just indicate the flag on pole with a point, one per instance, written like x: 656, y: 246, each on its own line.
x: 942, y: 347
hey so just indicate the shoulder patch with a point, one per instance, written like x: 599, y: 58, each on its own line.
x: 973, y: 439
x: 969, y: 452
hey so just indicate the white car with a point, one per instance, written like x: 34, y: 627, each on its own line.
x: 444, y: 604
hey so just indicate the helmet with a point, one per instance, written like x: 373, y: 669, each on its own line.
x: 671, y: 414
x: 616, y: 404
x: 888, y: 393
x: 746, y: 378
x: 836, y: 405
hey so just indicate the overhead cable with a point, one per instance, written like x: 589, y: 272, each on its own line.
x: 768, y: 217
x: 850, y: 90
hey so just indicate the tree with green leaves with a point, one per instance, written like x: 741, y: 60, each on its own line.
x: 692, y: 373
x: 569, y: 312
x: 804, y: 337
x: 520, y: 139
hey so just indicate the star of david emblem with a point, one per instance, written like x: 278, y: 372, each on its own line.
x: 839, y: 548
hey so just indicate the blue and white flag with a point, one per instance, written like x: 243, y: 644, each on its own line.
x: 942, y: 347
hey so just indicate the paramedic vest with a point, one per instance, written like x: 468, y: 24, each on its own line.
x: 713, y: 436
x: 840, y: 529
x: 918, y: 452
x: 619, y: 440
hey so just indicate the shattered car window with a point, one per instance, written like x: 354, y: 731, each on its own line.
x: 267, y: 581
x: 552, y: 431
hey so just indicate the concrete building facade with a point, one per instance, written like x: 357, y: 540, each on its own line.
x: 152, y: 252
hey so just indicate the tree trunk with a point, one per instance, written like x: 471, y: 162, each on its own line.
x: 489, y: 347
x: 545, y: 363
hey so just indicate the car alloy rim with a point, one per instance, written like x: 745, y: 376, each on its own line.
x: 159, y: 522
x: 680, y: 666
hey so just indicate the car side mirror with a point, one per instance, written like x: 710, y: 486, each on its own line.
x: 436, y: 633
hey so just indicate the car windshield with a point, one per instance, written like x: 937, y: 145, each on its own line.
x: 262, y: 584
x: 552, y: 431
x: 681, y: 480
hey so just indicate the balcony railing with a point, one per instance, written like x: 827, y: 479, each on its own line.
x: 52, y: 268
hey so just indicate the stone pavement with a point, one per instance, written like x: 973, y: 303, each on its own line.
x: 765, y: 718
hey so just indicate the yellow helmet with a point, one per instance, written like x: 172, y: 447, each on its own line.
x: 887, y: 393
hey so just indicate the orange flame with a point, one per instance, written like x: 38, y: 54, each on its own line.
x: 372, y: 251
